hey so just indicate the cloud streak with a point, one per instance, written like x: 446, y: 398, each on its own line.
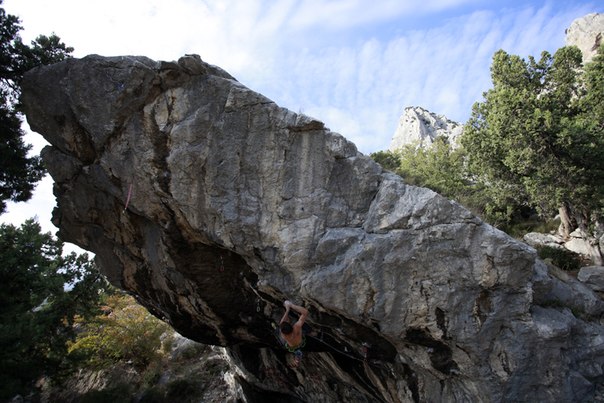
x: 444, y: 69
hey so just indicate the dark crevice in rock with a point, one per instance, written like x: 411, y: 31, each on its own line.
x: 343, y: 329
x: 254, y: 394
x: 198, y: 263
x: 250, y: 360
x: 355, y: 370
x: 440, y: 354
x: 441, y: 321
x: 483, y: 306
x: 160, y: 143
x: 411, y: 379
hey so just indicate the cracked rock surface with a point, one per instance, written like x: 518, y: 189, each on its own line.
x: 212, y: 205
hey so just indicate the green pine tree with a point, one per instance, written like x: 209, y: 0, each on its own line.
x: 19, y: 172
x: 41, y: 293
x: 536, y: 135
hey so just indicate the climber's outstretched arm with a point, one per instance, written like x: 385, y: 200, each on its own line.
x: 301, y: 310
x: 286, y: 314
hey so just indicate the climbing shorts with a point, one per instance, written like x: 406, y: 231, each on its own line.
x: 297, y: 348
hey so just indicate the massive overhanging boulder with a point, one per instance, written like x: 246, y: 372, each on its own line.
x: 212, y: 205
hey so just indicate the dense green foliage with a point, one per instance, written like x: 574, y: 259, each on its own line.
x: 590, y: 124
x: 37, y: 310
x: 538, y: 134
x: 18, y: 171
x: 442, y: 168
x: 388, y: 160
x: 59, y: 316
x: 439, y: 167
x: 562, y: 258
x: 125, y: 332
x: 126, y: 338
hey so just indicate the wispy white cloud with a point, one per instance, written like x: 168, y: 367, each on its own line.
x: 444, y: 68
x: 350, y: 14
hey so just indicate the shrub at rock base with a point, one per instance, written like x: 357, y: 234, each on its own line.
x: 563, y: 258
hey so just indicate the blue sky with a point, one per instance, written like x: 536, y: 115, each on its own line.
x: 353, y: 64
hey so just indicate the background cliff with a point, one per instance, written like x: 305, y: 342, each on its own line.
x: 212, y: 205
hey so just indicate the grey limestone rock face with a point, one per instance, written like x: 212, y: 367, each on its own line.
x: 213, y: 205
x: 421, y: 127
x: 587, y: 33
x: 536, y: 239
x: 593, y: 276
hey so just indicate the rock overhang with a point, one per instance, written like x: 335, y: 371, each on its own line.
x: 213, y: 204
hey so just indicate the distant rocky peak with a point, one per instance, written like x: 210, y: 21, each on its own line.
x: 587, y: 33
x: 420, y: 126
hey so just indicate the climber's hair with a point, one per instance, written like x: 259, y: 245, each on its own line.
x: 286, y: 327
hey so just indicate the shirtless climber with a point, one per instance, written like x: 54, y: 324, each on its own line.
x: 293, y: 336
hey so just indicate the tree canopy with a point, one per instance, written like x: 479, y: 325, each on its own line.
x: 538, y: 134
x: 18, y: 171
x: 439, y: 167
x: 41, y: 294
x: 443, y: 168
x: 126, y: 331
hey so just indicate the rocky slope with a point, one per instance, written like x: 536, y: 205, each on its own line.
x: 192, y: 372
x: 587, y: 34
x: 212, y: 205
x: 421, y: 127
